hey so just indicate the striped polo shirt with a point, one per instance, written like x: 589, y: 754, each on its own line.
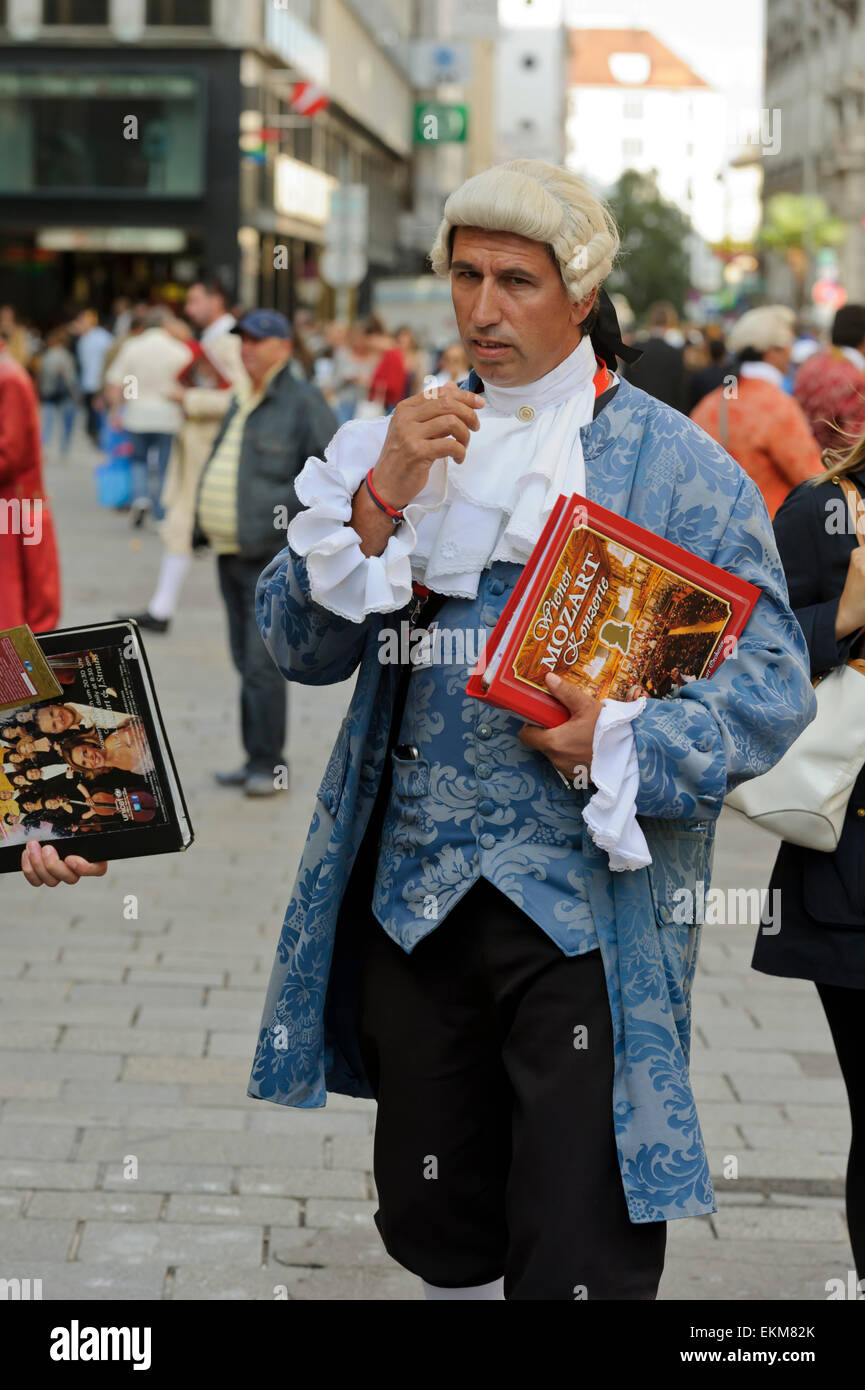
x: 217, y: 505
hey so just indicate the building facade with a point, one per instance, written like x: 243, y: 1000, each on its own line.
x: 145, y: 142
x: 815, y: 82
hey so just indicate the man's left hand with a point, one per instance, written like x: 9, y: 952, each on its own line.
x: 570, y: 744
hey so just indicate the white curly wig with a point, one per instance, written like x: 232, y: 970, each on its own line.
x: 543, y: 202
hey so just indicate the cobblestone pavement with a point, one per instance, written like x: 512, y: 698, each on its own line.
x: 133, y: 1038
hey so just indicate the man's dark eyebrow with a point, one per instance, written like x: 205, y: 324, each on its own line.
x: 510, y: 270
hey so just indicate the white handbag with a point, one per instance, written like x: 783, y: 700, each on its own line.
x: 804, y: 797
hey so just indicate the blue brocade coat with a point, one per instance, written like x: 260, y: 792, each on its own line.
x: 648, y: 463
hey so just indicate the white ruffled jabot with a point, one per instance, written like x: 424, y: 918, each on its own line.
x: 493, y: 506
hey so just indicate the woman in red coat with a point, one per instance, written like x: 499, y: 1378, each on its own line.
x: 29, y: 566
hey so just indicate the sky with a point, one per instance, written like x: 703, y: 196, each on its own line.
x: 722, y: 40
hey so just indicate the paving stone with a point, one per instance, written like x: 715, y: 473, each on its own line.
x: 281, y: 1119
x: 350, y: 1151
x: 691, y: 1277
x: 36, y: 1141
x: 95, y: 1206
x: 164, y: 975
x: 189, y: 1070
x: 830, y: 1117
x: 133, y: 1040
x: 782, y: 1163
x: 356, y: 1245
x: 815, y: 1139
x: 331, y: 1213
x: 214, y: 1097
x: 180, y: 996
x: 226, y: 1283
x: 739, y: 1060
x: 33, y: 992
x: 27, y: 1242
x: 121, y: 1093
x: 23, y: 1088
x: 113, y: 1114
x: 237, y: 1211
x: 240, y: 1045
x: 792, y: 1199
x: 201, y: 1146
x: 61, y: 1013
x: 711, y: 1086
x: 74, y: 1282
x: 818, y: 1063
x: 169, y: 1177
x: 35, y: 1173
x: 10, y: 1207
x: 303, y: 1182
x: 779, y: 1090
x: 780, y: 1224
x: 239, y: 1022
x: 357, y: 1285
x: 25, y: 1037
x: 741, y: 1112
x: 130, y: 1242
x: 68, y: 974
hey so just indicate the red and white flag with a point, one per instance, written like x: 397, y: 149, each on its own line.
x: 308, y: 99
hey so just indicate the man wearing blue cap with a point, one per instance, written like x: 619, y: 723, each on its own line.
x: 245, y: 501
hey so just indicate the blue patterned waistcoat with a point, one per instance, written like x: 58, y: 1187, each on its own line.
x: 475, y: 803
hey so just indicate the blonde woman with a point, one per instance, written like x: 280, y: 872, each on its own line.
x: 822, y: 936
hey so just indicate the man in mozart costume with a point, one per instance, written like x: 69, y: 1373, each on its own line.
x: 481, y: 933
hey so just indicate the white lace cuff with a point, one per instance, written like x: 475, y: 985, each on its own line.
x: 342, y: 579
x: 611, y: 815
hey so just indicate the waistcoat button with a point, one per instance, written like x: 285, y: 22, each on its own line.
x: 488, y: 841
x: 482, y: 770
x: 486, y: 808
x: 497, y: 586
x: 484, y: 731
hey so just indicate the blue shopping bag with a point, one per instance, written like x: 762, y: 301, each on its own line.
x: 114, y: 476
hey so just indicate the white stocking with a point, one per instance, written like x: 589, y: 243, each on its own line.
x: 172, y: 573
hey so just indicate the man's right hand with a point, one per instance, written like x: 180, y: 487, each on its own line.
x: 422, y: 429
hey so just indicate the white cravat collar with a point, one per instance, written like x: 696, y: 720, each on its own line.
x: 762, y: 371
x: 559, y: 385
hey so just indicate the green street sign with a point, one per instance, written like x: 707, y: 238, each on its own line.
x: 438, y: 123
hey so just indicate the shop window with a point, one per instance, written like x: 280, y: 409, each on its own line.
x: 74, y: 134
x: 180, y: 13
x: 75, y: 12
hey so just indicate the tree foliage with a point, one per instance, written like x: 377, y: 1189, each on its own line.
x: 654, y: 262
x: 799, y: 220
